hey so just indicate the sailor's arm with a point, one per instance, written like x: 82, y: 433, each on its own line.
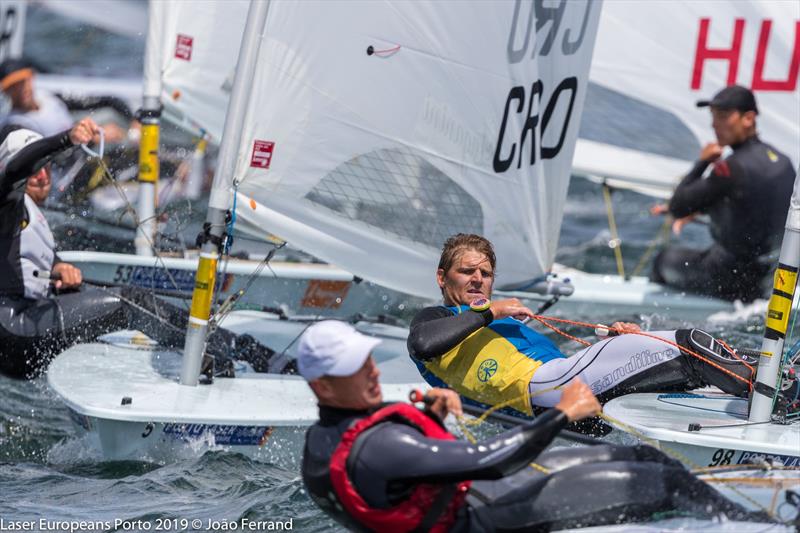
x: 436, y: 330
x: 690, y: 198
x: 398, y: 452
x: 34, y: 156
x: 28, y: 160
x: 694, y: 194
x: 91, y: 103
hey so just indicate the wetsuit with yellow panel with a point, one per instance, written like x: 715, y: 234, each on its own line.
x: 505, y: 362
x: 490, y: 361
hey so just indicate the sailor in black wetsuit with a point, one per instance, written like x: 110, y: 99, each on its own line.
x: 39, y: 318
x: 395, y: 468
x: 746, y: 196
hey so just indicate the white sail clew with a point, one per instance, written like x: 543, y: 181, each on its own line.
x: 200, y: 43
x: 372, y: 161
x: 672, y: 53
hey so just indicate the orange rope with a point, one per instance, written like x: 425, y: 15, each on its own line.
x: 736, y: 355
x: 541, y: 320
x: 544, y: 320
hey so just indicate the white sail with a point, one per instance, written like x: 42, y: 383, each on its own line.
x: 670, y: 54
x: 199, y: 51
x: 12, y: 20
x: 123, y: 17
x: 370, y: 161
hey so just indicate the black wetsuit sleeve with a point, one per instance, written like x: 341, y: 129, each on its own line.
x: 695, y: 194
x: 399, y: 453
x: 436, y: 330
x: 29, y: 160
x: 95, y: 102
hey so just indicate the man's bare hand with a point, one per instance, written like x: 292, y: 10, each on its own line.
x: 659, y: 209
x: 83, y: 131
x: 626, y: 327
x: 711, y: 152
x: 69, y: 276
x: 677, y: 226
x: 511, y: 307
x: 578, y: 401
x: 444, y: 401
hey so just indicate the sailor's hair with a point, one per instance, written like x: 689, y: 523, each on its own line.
x: 13, y: 71
x: 455, y: 245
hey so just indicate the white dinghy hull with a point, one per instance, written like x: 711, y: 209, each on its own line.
x: 297, y: 288
x: 724, y: 436
x: 125, y: 394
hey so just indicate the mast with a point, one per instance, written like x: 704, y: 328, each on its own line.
x: 150, y: 116
x: 777, y: 321
x: 219, y: 199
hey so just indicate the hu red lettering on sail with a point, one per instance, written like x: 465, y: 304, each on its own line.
x: 183, y: 47
x: 732, y: 53
x: 262, y: 154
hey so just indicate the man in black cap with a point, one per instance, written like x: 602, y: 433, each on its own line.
x: 746, y: 195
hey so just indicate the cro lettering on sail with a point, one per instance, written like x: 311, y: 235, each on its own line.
x: 541, y: 32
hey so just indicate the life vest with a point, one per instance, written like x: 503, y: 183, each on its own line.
x: 494, y: 365
x: 36, y: 250
x: 409, y: 514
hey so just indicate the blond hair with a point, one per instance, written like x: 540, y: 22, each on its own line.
x: 455, y: 245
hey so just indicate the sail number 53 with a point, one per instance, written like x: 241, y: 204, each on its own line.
x: 721, y: 457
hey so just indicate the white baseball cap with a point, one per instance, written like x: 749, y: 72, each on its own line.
x: 14, y: 142
x: 332, y: 348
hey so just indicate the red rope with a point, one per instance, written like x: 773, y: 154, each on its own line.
x: 387, y: 51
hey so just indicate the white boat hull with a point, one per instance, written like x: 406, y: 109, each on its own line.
x: 297, y: 288
x: 126, y: 395
x: 724, y: 437
x: 162, y: 442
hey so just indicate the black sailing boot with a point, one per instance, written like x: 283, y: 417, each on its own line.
x: 731, y: 372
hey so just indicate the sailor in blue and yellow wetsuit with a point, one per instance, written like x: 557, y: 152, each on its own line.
x: 485, y: 352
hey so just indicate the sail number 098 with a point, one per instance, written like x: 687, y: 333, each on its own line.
x: 721, y: 457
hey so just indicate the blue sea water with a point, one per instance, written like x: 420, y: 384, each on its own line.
x: 47, y: 473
